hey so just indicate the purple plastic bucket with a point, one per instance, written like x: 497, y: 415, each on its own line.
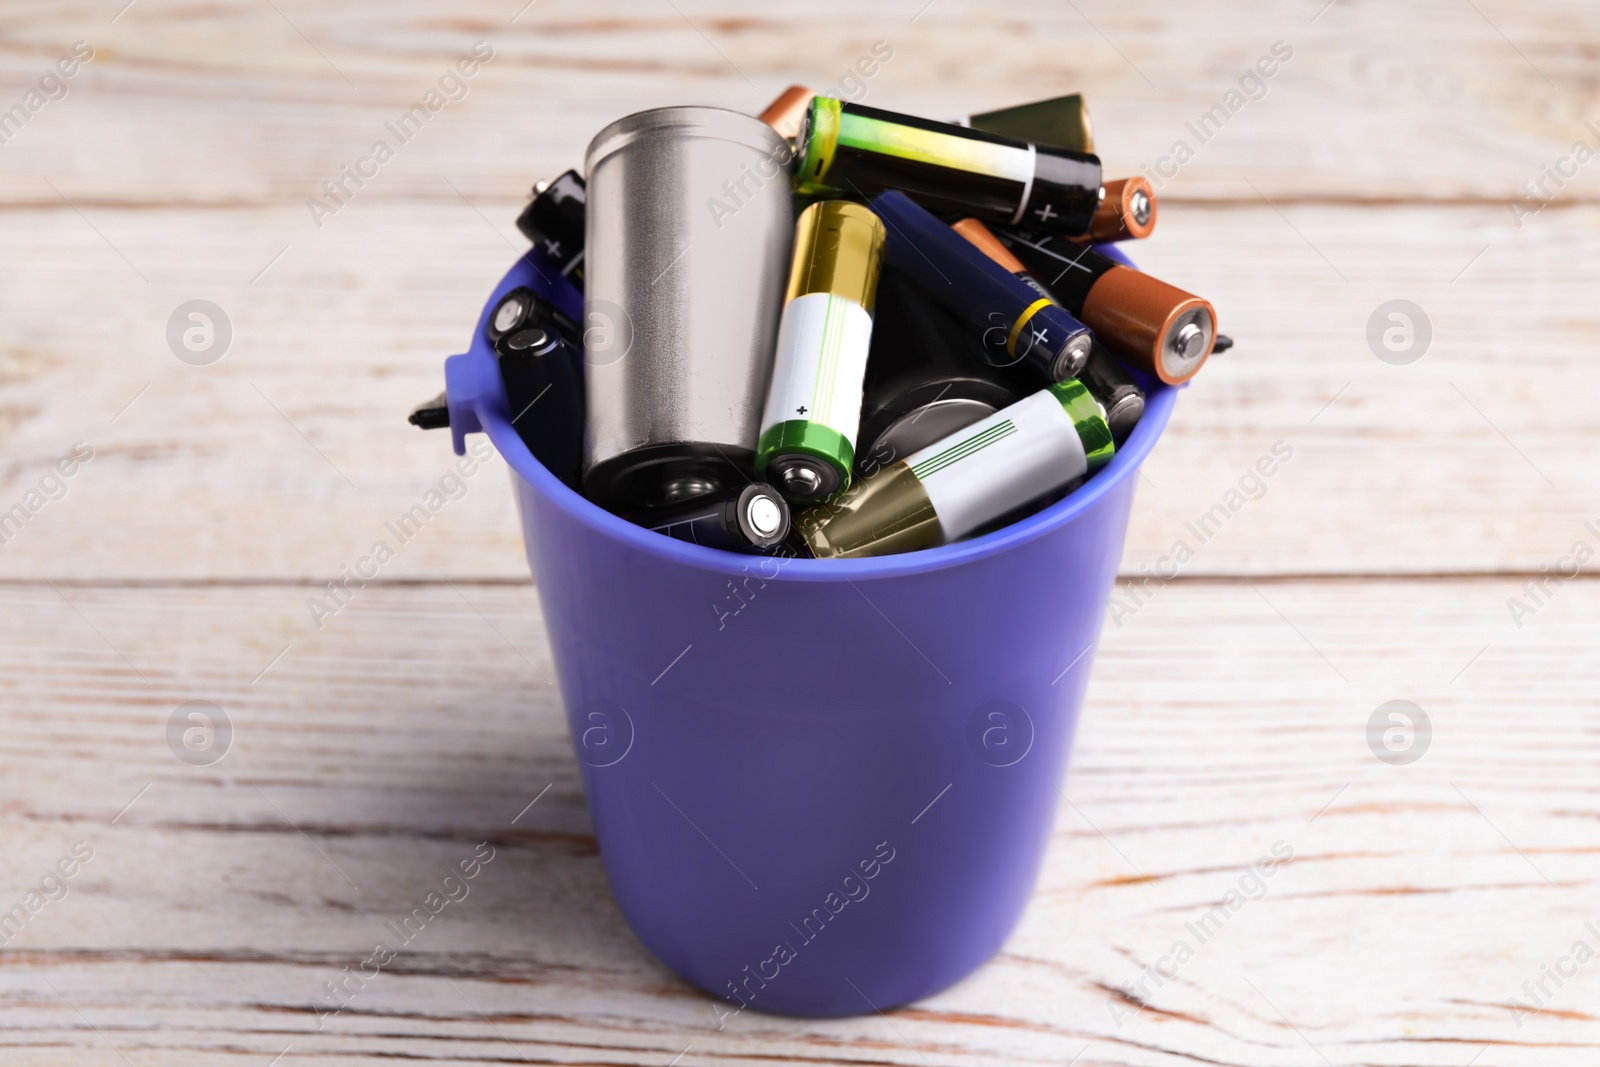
x: 819, y: 787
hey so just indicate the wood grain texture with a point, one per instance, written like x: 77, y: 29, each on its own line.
x: 1417, y: 901
x: 238, y: 103
x: 1229, y: 707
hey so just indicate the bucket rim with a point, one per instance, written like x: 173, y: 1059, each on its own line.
x: 1124, y: 464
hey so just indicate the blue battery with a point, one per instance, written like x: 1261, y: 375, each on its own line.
x: 1011, y: 321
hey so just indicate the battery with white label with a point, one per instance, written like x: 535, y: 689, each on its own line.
x: 957, y: 484
x: 813, y: 413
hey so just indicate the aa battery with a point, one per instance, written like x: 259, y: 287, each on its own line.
x: 543, y: 375
x: 1150, y: 324
x: 689, y: 231
x: 851, y: 149
x: 1012, y: 321
x: 957, y: 484
x: 1128, y: 211
x: 787, y: 113
x: 554, y: 218
x: 1116, y: 390
x: 1062, y: 121
x: 749, y: 519
x: 808, y: 434
x: 926, y: 377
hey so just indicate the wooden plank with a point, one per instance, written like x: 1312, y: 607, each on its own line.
x: 259, y: 104
x: 1222, y: 720
x: 286, y: 458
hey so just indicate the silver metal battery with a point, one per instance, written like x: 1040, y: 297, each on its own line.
x: 690, y: 221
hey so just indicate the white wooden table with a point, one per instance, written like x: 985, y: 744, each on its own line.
x: 1228, y: 713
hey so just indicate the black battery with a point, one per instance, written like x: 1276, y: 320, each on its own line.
x: 554, y: 219
x: 543, y: 374
x: 521, y: 308
x: 749, y: 518
x: 1111, y: 384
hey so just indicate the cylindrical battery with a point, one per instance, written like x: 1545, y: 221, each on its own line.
x: 1128, y: 211
x: 957, y: 484
x: 1154, y: 326
x: 523, y: 307
x: 1012, y: 321
x: 1116, y: 390
x: 926, y: 378
x: 808, y: 434
x: 984, y: 240
x: 543, y: 376
x: 554, y: 218
x: 749, y: 519
x: 1062, y: 121
x: 690, y: 219
x: 787, y: 113
x: 850, y: 149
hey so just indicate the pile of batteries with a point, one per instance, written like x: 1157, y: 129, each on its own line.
x: 932, y: 349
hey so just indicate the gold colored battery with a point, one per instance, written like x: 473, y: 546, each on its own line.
x: 813, y: 413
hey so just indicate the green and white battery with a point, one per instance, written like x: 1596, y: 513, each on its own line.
x: 970, y: 478
x: 813, y: 413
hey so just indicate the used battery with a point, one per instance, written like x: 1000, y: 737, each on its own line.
x: 925, y: 377
x: 1011, y: 320
x: 554, y: 218
x: 542, y: 369
x: 813, y: 413
x: 787, y: 113
x: 749, y: 519
x: 431, y: 414
x: 1128, y: 211
x: 984, y: 240
x: 961, y: 482
x: 681, y: 306
x: 523, y: 307
x: 851, y: 149
x: 1116, y: 390
x: 1154, y: 326
x: 1119, y: 394
x: 1062, y: 121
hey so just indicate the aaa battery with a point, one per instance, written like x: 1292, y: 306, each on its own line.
x: 808, y: 432
x: 1012, y: 321
x: 752, y: 518
x: 967, y: 479
x: 1154, y: 326
x: 851, y: 149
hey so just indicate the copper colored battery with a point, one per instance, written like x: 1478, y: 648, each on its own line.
x: 1151, y: 325
x: 986, y: 242
x: 788, y: 111
x: 1126, y: 212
